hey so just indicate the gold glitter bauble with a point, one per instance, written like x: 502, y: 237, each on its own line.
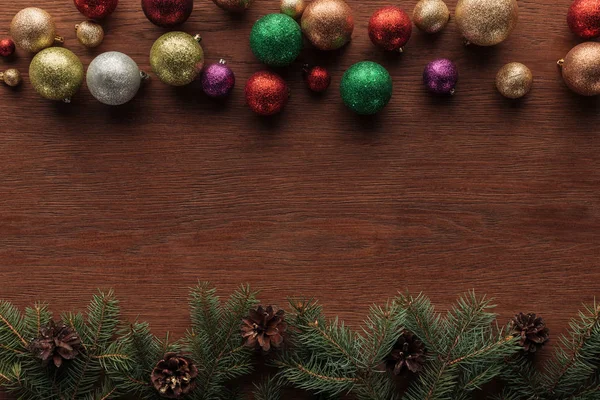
x: 431, y: 16
x: 328, y: 24
x: 33, y: 29
x: 56, y: 73
x: 486, y: 22
x: 89, y: 33
x: 514, y: 80
x: 581, y: 69
x: 177, y: 58
x: 12, y: 77
x: 293, y: 8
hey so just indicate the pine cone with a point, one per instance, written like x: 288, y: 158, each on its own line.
x: 58, y: 342
x: 174, y: 376
x: 408, y: 352
x: 264, y: 328
x: 532, y: 330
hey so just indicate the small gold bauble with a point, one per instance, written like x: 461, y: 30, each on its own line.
x: 33, y: 29
x: 56, y: 73
x: 431, y: 16
x: 486, y: 22
x: 328, y: 24
x: 514, y: 80
x: 177, y: 58
x: 12, y: 77
x: 89, y: 33
x: 293, y: 8
x: 581, y: 69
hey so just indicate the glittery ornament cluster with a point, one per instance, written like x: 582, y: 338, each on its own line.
x: 431, y: 16
x: 233, y: 5
x: 581, y: 69
x: 33, y: 29
x: 328, y: 24
x: 317, y: 78
x: 167, y: 13
x: 113, y: 78
x: 486, y: 22
x: 441, y: 76
x: 514, y: 80
x: 7, y: 47
x: 217, y: 79
x: 96, y: 9
x: 176, y: 58
x: 584, y: 18
x: 276, y: 40
x: 56, y: 73
x: 293, y: 8
x: 390, y: 28
x: 366, y: 88
x: 90, y: 34
x: 266, y: 93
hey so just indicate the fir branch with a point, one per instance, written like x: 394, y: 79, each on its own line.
x: 268, y: 389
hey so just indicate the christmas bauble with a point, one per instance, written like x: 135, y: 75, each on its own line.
x: 366, y: 88
x: 514, y: 80
x: 317, y: 78
x: 89, y: 33
x: 234, y: 5
x: 33, y: 29
x: 486, y: 22
x: 390, y: 28
x: 177, y: 58
x: 56, y: 73
x: 581, y: 69
x: 7, y: 47
x: 293, y: 8
x: 584, y: 18
x: 96, y: 9
x: 113, y: 78
x: 276, y: 40
x: 441, y: 76
x: 167, y: 13
x: 11, y: 77
x: 431, y: 16
x: 266, y: 93
x: 217, y: 79
x: 328, y: 24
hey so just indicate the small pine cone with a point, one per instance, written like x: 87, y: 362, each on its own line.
x: 532, y: 330
x: 57, y: 342
x: 174, y: 376
x: 408, y: 352
x: 264, y: 328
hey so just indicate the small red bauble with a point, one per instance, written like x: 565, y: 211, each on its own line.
x: 96, y: 9
x: 390, y: 28
x: 167, y: 13
x: 7, y: 47
x: 266, y: 93
x: 584, y: 18
x: 317, y: 79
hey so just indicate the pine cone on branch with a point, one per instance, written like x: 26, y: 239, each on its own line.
x: 57, y: 342
x: 408, y: 352
x: 532, y: 330
x: 264, y: 328
x: 174, y: 376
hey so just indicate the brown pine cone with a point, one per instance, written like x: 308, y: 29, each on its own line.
x: 532, y: 330
x: 174, y: 376
x: 264, y: 328
x: 408, y: 352
x: 58, y: 342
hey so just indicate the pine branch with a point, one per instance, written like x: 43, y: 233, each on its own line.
x: 268, y: 389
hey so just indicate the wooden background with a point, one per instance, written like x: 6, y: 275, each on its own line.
x: 439, y: 195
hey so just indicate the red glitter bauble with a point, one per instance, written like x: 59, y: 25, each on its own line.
x: 318, y: 79
x: 167, y: 13
x: 266, y: 93
x: 7, y: 47
x: 96, y: 9
x: 584, y: 18
x: 390, y: 28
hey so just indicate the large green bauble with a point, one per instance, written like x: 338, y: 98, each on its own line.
x: 366, y: 88
x: 56, y: 73
x: 177, y: 58
x: 276, y: 40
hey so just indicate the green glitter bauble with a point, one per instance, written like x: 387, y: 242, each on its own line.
x: 366, y: 88
x: 276, y: 40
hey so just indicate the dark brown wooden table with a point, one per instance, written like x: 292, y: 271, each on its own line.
x: 439, y: 195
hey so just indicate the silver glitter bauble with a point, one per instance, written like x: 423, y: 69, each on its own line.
x: 114, y: 78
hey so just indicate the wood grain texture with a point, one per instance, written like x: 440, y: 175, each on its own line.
x: 434, y: 195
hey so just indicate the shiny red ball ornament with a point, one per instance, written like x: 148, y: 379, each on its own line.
x: 96, y: 9
x: 317, y: 78
x: 266, y: 93
x: 584, y: 18
x: 390, y: 28
x: 167, y: 13
x: 7, y: 47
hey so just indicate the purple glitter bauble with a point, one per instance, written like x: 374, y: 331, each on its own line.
x: 217, y: 79
x: 440, y: 76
